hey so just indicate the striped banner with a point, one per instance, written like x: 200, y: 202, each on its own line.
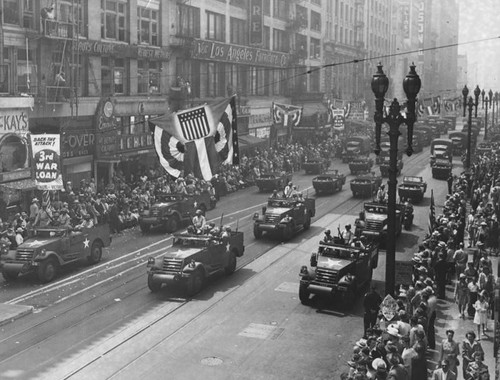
x: 432, y: 214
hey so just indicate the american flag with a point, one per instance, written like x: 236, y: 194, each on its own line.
x: 432, y: 214
x: 194, y: 123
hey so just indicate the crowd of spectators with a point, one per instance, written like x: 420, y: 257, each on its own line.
x: 396, y: 349
x: 121, y: 202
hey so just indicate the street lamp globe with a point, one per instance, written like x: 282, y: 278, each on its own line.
x: 380, y: 82
x: 482, y: 98
x: 490, y: 93
x: 412, y: 83
x: 465, y: 92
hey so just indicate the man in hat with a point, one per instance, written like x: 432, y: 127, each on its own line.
x: 328, y: 237
x: 444, y: 372
x: 460, y: 258
x: 371, y: 305
x: 64, y: 219
x: 347, y: 235
x: 199, y: 220
x: 44, y: 216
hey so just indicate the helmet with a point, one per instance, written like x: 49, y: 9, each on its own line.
x: 199, y: 212
x: 290, y: 183
x: 328, y: 232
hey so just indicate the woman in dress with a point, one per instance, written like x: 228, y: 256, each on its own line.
x: 481, y: 315
x: 462, y: 294
x: 450, y: 351
x: 469, y: 346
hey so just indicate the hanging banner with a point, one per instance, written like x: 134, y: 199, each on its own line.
x: 338, y: 119
x: 46, y: 150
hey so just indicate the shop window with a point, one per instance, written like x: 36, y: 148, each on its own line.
x: 239, y: 31
x: 301, y: 45
x: 26, y: 71
x: 188, y: 21
x: 147, y: 23
x: 10, y: 12
x: 315, y: 47
x: 148, y: 77
x: 113, y: 20
x: 216, y: 27
x: 113, y: 76
x: 13, y: 153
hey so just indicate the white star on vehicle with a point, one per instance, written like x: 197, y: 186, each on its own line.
x: 35, y: 242
x: 86, y: 243
x: 331, y: 262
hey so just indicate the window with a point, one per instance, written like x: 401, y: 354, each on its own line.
x: 26, y: 71
x: 240, y: 3
x: 113, y: 76
x: 5, y: 73
x: 113, y: 20
x: 280, y: 9
x: 28, y: 14
x: 280, y: 41
x: 315, y: 21
x: 315, y: 47
x: 79, y: 75
x: 257, y: 81
x: 301, y: 45
x: 239, y: 31
x: 188, y: 21
x: 266, y: 8
x: 267, y: 38
x: 147, y: 24
x: 279, y: 81
x: 301, y: 14
x: 317, y: 2
x: 11, y: 12
x: 314, y: 79
x: 215, y: 85
x: 148, y: 77
x: 216, y: 24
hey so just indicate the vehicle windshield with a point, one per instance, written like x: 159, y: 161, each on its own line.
x: 336, y: 252
x: 194, y: 241
x: 378, y: 209
x: 169, y: 197
x: 49, y: 233
x: 412, y: 179
x: 280, y: 203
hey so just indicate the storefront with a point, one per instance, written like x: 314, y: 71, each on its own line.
x: 16, y: 184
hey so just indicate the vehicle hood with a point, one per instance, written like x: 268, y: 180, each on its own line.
x: 332, y: 263
x: 375, y: 216
x: 164, y: 204
x: 182, y: 252
x: 37, y: 243
x: 277, y: 210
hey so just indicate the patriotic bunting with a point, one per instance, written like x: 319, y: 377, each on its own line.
x: 432, y: 214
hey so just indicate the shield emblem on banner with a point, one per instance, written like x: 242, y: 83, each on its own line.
x: 389, y: 307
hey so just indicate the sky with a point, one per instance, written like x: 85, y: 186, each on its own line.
x: 479, y: 20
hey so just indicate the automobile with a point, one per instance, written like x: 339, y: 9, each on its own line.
x: 172, y: 211
x: 273, y: 181
x: 50, y: 248
x: 192, y: 259
x: 384, y: 167
x: 412, y: 188
x: 360, y: 165
x: 315, y: 166
x: 283, y: 217
x: 365, y: 185
x: 329, y: 182
x: 338, y: 269
x: 372, y: 221
x: 356, y: 146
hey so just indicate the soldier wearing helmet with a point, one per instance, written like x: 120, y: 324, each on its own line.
x: 199, y: 220
x: 328, y: 237
x: 288, y: 190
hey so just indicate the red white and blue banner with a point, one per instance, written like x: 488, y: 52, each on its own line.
x: 46, y: 151
x: 197, y: 140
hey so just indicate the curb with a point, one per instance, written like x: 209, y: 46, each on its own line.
x: 9, y: 313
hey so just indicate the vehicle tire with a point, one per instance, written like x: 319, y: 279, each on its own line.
x: 304, y: 295
x: 95, y: 253
x: 287, y: 233
x: 194, y: 283
x: 10, y: 276
x: 145, y: 228
x: 47, y: 270
x: 257, y: 233
x: 307, y: 222
x: 153, y: 286
x: 231, y: 264
x: 173, y: 223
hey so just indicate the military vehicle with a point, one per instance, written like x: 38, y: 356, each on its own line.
x: 372, y: 221
x: 273, y: 181
x: 171, y: 211
x: 337, y: 268
x: 356, y: 146
x: 384, y: 167
x: 315, y: 166
x: 365, y: 185
x: 283, y: 217
x: 50, y: 248
x: 329, y: 182
x: 194, y: 258
x: 360, y: 165
x: 441, y: 168
x: 412, y: 188
x: 441, y: 149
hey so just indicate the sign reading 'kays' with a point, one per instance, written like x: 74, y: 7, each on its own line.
x: 47, y: 161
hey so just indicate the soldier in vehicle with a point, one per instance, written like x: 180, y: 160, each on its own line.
x: 87, y: 223
x: 328, y: 237
x: 294, y: 193
x: 381, y: 194
x: 199, y: 220
x: 288, y: 190
x: 357, y: 243
x: 275, y: 194
x: 347, y: 235
x: 226, y: 234
x: 64, y: 219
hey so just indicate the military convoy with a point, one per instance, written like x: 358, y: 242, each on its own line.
x: 315, y: 166
x: 273, y: 181
x: 356, y: 146
x: 192, y: 259
x: 413, y: 189
x: 51, y: 248
x: 385, y: 165
x: 365, y: 185
x: 172, y: 211
x: 283, y: 217
x: 360, y: 165
x: 338, y: 269
x: 372, y: 221
x: 329, y: 182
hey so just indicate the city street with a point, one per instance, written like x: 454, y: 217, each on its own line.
x: 103, y: 322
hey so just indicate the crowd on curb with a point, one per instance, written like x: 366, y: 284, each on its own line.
x: 121, y: 202
x: 397, y: 349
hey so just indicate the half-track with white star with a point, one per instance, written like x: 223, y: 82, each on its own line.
x: 50, y: 248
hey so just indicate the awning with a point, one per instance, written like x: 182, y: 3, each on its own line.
x: 22, y: 184
x: 249, y: 141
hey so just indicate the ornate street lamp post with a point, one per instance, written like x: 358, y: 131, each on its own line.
x: 477, y: 91
x: 486, y: 101
x: 492, y: 100
x: 490, y: 94
x: 482, y: 98
x: 470, y: 105
x: 496, y: 103
x: 465, y: 92
x: 411, y: 86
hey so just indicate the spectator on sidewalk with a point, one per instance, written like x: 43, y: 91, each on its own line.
x: 473, y: 295
x: 481, y: 315
x: 477, y: 370
x: 470, y: 346
x: 449, y: 351
x: 371, y: 304
x: 460, y: 257
x: 462, y: 294
x: 441, y: 271
x: 444, y: 372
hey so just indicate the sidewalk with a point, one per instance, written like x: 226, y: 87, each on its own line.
x: 9, y: 313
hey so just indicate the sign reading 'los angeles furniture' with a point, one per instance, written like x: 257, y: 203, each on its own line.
x: 217, y: 51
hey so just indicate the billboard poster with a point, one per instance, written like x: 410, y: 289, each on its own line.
x: 256, y: 22
x: 338, y: 119
x: 46, y: 150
